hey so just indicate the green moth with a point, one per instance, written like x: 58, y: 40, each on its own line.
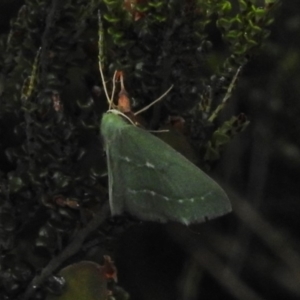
x: 153, y: 182
x: 149, y: 179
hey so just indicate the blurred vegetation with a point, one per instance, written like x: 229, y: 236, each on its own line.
x: 53, y: 195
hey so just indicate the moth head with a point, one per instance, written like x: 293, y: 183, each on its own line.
x: 124, y: 115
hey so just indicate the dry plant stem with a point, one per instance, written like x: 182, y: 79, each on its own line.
x: 27, y: 91
x: 226, y: 97
x: 69, y: 251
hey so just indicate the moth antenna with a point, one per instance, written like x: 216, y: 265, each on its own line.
x: 100, y: 57
x: 122, y: 82
x: 227, y: 95
x: 155, y: 101
x: 113, y: 90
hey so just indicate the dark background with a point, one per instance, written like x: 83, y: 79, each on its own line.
x: 253, y: 253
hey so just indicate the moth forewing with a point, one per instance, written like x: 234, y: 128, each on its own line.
x: 152, y: 181
x: 111, y: 125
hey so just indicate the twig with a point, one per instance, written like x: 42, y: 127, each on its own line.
x: 70, y: 250
x: 226, y: 97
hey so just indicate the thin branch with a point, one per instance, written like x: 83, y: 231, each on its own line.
x: 226, y: 97
x: 69, y: 251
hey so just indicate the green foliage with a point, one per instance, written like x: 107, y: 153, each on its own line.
x: 245, y: 30
x: 185, y: 52
x: 223, y: 136
x: 51, y: 104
